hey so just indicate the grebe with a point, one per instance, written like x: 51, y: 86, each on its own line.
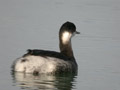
x: 50, y: 62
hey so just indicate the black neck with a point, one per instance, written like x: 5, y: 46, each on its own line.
x: 66, y: 49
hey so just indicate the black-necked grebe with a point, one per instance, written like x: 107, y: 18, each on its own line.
x: 42, y: 61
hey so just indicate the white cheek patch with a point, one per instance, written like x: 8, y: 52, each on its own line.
x: 66, y: 37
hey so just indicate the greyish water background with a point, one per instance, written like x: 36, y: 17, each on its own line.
x: 32, y: 24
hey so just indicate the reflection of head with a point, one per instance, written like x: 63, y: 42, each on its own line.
x: 29, y: 81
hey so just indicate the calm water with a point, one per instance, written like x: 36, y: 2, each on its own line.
x: 35, y: 24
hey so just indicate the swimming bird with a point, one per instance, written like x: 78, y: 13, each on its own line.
x: 50, y: 62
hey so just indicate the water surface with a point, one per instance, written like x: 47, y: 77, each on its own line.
x: 35, y: 24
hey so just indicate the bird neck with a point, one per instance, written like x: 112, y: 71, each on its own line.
x: 66, y: 48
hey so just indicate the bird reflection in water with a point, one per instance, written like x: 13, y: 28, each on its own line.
x: 44, y: 82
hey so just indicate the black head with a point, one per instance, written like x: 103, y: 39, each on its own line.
x: 67, y: 31
x: 69, y: 27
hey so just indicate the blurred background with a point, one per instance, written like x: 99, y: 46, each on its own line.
x: 34, y: 24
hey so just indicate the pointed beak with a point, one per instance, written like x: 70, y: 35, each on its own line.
x: 77, y: 32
